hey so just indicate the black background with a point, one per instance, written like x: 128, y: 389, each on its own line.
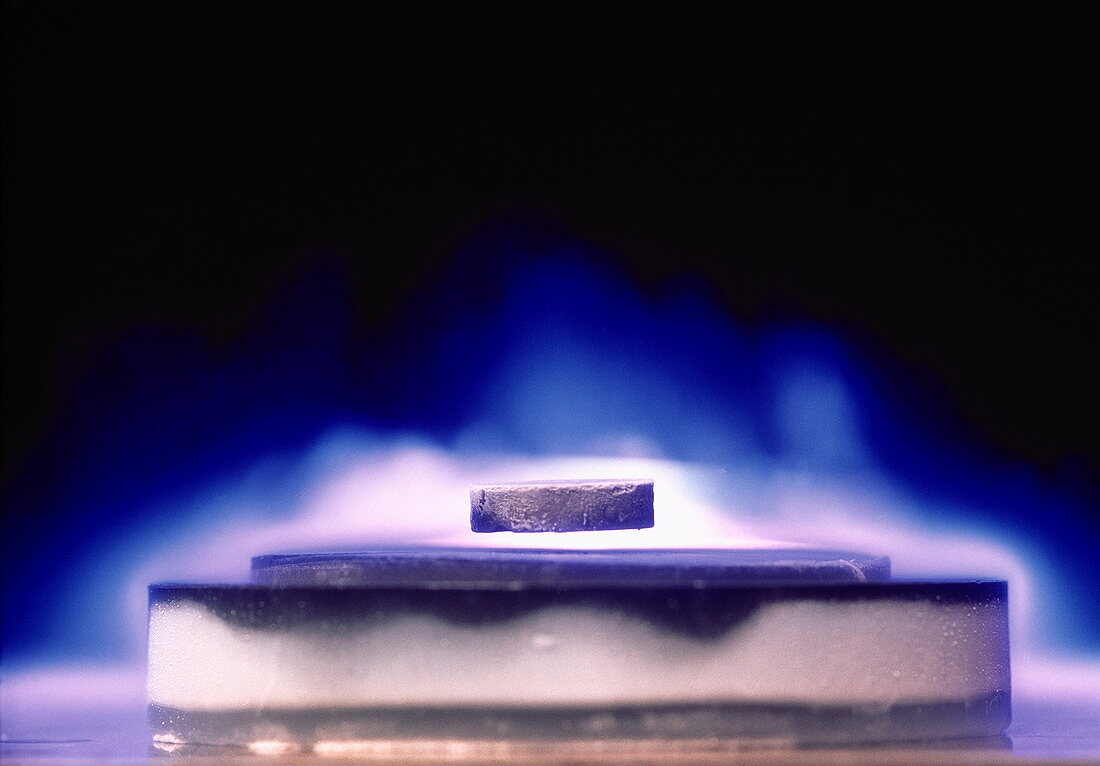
x: 922, y: 177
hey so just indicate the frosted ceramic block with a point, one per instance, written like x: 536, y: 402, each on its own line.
x: 392, y: 648
x: 561, y: 506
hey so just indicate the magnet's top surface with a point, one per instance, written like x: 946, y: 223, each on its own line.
x: 496, y: 568
x: 562, y: 505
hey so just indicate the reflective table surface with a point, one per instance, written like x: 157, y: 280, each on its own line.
x: 87, y: 716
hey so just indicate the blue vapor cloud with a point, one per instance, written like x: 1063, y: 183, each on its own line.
x: 528, y: 343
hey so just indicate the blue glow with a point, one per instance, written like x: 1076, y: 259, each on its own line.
x: 531, y: 348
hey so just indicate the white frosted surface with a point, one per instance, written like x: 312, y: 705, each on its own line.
x: 808, y: 652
